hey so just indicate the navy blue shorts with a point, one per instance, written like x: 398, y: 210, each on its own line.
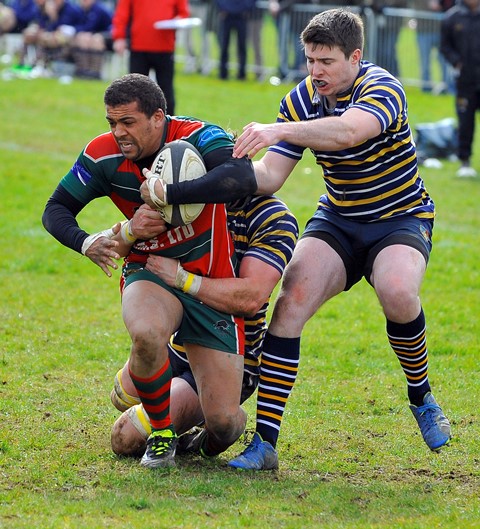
x: 359, y: 243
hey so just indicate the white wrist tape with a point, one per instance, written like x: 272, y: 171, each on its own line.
x: 92, y: 238
x: 126, y: 232
x: 187, y: 282
x: 151, y: 181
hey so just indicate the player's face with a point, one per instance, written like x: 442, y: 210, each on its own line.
x: 137, y: 135
x: 472, y: 4
x: 331, y: 72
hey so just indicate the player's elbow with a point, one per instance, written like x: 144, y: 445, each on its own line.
x: 250, y: 306
x: 46, y: 219
x: 348, y: 139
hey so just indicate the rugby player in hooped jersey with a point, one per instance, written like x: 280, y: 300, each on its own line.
x: 375, y: 220
x: 111, y: 165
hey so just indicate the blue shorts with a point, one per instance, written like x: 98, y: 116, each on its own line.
x: 359, y: 243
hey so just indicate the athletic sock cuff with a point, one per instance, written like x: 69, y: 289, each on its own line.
x: 398, y: 329
x: 288, y: 348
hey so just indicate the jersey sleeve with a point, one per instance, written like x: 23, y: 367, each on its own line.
x: 86, y: 180
x: 272, y: 232
x: 385, y: 98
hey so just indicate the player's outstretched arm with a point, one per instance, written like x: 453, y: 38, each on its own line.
x: 227, y: 179
x: 59, y: 219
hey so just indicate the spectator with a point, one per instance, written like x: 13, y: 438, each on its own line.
x: 233, y: 15
x: 280, y: 10
x: 150, y: 48
x: 7, y: 19
x: 254, y: 35
x: 89, y: 43
x: 460, y: 44
x: 16, y: 15
x: 428, y: 39
x: 51, y: 32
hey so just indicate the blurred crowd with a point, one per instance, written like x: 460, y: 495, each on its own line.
x: 79, y: 32
x: 60, y: 31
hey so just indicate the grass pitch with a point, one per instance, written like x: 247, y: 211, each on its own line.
x: 351, y: 455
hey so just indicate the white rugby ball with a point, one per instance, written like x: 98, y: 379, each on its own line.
x: 176, y: 162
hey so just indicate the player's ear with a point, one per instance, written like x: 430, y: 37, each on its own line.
x: 356, y: 56
x: 159, y: 117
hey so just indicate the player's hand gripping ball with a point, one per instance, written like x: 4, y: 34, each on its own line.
x: 176, y: 162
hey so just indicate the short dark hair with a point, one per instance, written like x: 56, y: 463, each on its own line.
x: 136, y: 87
x: 335, y: 28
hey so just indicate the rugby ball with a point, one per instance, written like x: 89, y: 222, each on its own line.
x: 176, y: 162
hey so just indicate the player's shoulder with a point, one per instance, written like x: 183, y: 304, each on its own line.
x: 101, y: 147
x: 199, y: 133
x: 266, y: 211
x: 376, y: 83
x: 371, y: 75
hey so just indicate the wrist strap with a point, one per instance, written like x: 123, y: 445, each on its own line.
x: 126, y: 232
x: 187, y: 282
x: 92, y: 238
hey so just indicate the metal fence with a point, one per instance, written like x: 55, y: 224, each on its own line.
x: 404, y: 41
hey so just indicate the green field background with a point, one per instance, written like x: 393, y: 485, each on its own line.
x: 351, y: 455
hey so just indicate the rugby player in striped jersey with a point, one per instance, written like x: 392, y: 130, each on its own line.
x: 375, y: 220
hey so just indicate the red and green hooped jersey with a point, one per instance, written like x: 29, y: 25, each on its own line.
x: 203, y: 247
x: 102, y: 170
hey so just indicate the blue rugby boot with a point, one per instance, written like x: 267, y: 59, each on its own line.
x: 433, y: 424
x: 259, y: 455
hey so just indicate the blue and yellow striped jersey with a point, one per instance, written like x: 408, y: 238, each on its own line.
x: 378, y: 178
x: 264, y: 228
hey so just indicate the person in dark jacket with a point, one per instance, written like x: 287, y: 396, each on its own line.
x: 233, y: 16
x: 460, y: 45
x: 388, y: 27
x: 281, y: 11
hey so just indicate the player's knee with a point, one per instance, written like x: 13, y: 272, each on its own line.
x: 227, y: 428
x: 130, y: 432
x: 145, y: 342
x: 398, y: 299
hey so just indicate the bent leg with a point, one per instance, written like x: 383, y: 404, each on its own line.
x: 397, y: 274
x: 315, y: 274
x: 151, y: 315
x: 219, y: 377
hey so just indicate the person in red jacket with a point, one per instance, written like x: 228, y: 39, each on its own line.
x: 150, y: 48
